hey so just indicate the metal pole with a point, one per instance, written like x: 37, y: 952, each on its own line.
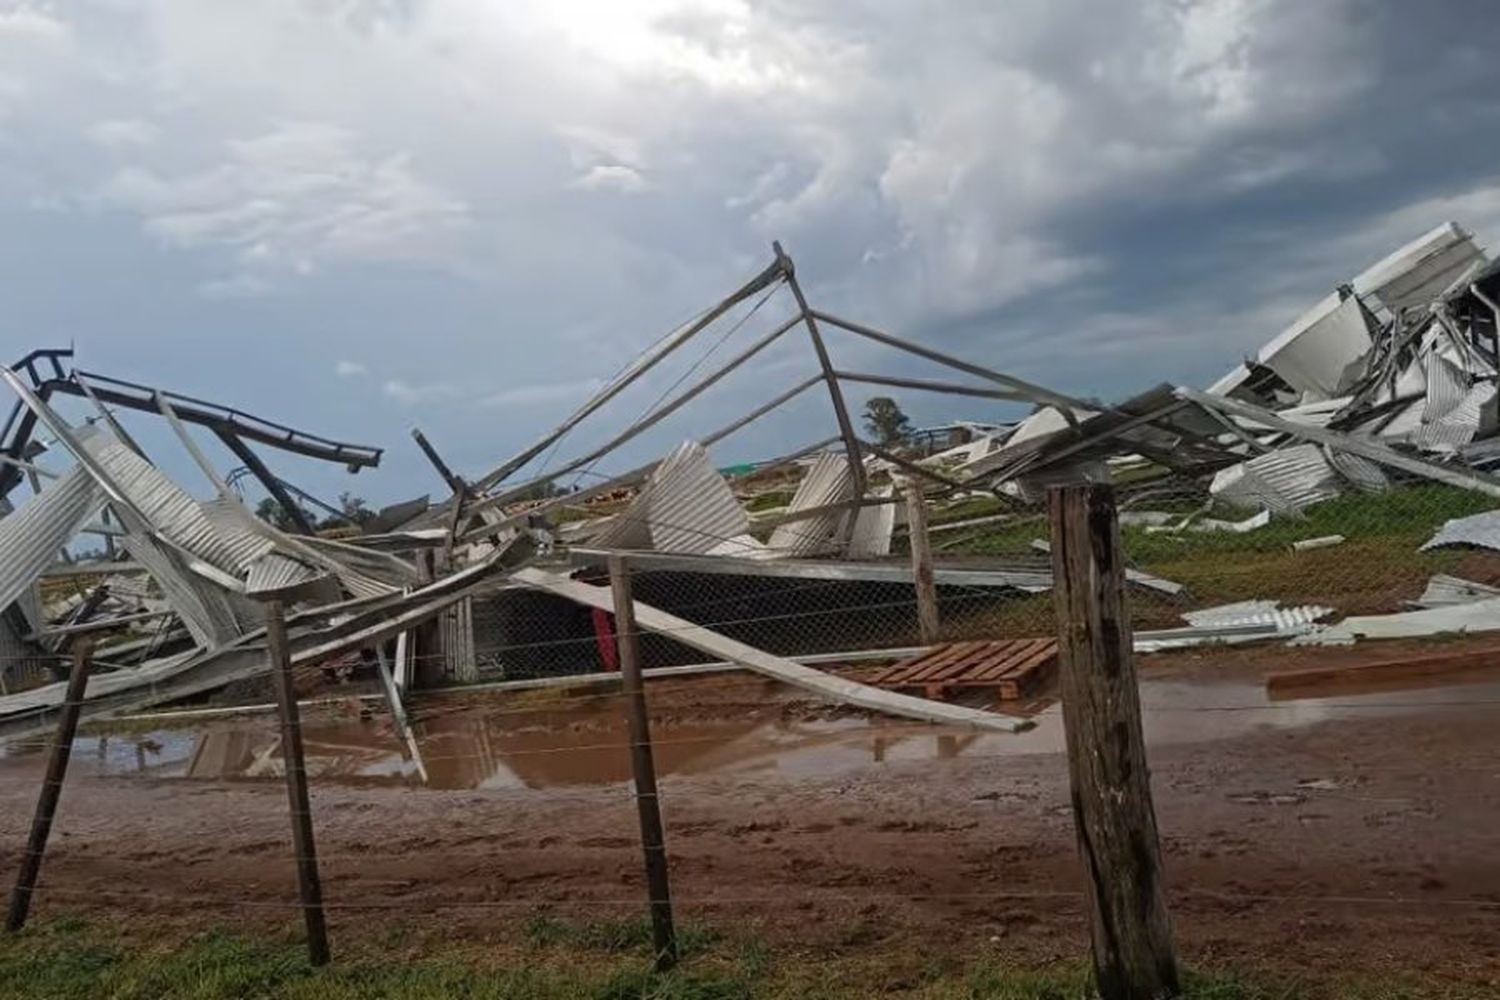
x: 846, y: 429
x: 46, y: 804
x: 308, y: 885
x: 643, y: 767
x: 258, y: 469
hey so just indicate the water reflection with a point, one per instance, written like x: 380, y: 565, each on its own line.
x: 484, y: 742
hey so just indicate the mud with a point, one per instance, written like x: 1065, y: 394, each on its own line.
x: 1355, y: 829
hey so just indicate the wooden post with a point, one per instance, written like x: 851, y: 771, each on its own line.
x: 928, y: 623
x: 643, y: 767
x: 1112, y: 809
x: 46, y: 803
x: 308, y: 884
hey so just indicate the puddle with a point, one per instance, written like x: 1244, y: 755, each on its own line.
x: 485, y: 743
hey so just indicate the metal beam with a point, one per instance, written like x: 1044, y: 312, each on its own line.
x: 273, y: 486
x: 653, y: 418
x: 641, y: 366
x: 1363, y: 447
x: 932, y: 385
x: 206, y: 414
x: 1028, y: 390
x: 840, y: 411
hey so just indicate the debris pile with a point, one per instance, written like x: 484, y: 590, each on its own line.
x: 1388, y: 380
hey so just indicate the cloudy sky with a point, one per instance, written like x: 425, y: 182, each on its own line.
x: 362, y: 215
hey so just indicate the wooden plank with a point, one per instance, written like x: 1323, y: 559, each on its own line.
x: 1004, y: 662
x: 934, y: 665
x: 837, y: 689
x: 1415, y: 667
x: 928, y: 622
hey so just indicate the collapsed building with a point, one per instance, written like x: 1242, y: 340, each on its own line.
x: 1389, y: 379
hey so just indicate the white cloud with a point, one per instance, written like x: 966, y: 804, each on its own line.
x: 123, y: 134
x: 295, y: 198
x: 614, y: 175
x: 531, y: 395
x: 409, y: 394
x: 350, y: 369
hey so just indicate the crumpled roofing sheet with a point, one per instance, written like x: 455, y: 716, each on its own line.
x: 1443, y: 590
x: 1283, y: 481
x: 1482, y: 530
x: 685, y: 506
x: 1477, y: 616
x: 32, y: 535
x: 873, y: 527
x: 1258, y: 612
x: 826, y: 482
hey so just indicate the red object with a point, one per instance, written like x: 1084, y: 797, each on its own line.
x: 604, y: 635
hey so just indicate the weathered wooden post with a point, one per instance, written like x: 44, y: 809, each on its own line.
x: 309, y: 886
x: 929, y: 625
x: 1112, y: 809
x: 643, y: 767
x: 57, y: 770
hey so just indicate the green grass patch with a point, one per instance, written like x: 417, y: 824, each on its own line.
x: 61, y: 960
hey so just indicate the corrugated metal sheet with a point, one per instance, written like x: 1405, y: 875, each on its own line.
x: 1283, y: 481
x: 1446, y: 387
x: 202, y: 607
x: 1268, y: 613
x: 167, y: 506
x: 388, y: 569
x: 243, y: 546
x: 690, y: 508
x: 1458, y: 427
x: 685, y: 506
x: 826, y: 482
x: 32, y: 535
x: 1482, y: 530
x: 273, y: 573
x: 1366, y: 475
x: 871, y: 537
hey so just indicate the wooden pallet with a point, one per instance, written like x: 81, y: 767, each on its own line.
x: 1013, y: 667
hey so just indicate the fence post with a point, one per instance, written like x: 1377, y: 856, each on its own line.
x: 1111, y: 786
x: 643, y: 767
x: 57, y: 770
x: 309, y: 887
x: 929, y: 625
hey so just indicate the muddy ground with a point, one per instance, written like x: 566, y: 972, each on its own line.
x: 1356, y: 830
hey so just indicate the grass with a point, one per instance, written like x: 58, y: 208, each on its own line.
x: 564, y: 961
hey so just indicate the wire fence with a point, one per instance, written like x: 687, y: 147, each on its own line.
x: 1182, y: 558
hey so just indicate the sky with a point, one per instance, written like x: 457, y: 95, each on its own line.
x: 360, y: 216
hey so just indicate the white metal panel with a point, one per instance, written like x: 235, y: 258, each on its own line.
x: 1421, y: 270
x: 1283, y: 481
x: 1314, y: 354
x: 32, y: 535
x: 826, y: 482
x: 873, y: 526
x: 690, y: 508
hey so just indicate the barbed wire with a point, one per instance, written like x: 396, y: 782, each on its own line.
x: 539, y: 902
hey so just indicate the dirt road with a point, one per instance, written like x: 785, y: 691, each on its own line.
x: 1351, y: 831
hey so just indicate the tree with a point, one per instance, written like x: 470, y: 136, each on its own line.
x: 271, y: 512
x: 356, y: 512
x: 884, y: 419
